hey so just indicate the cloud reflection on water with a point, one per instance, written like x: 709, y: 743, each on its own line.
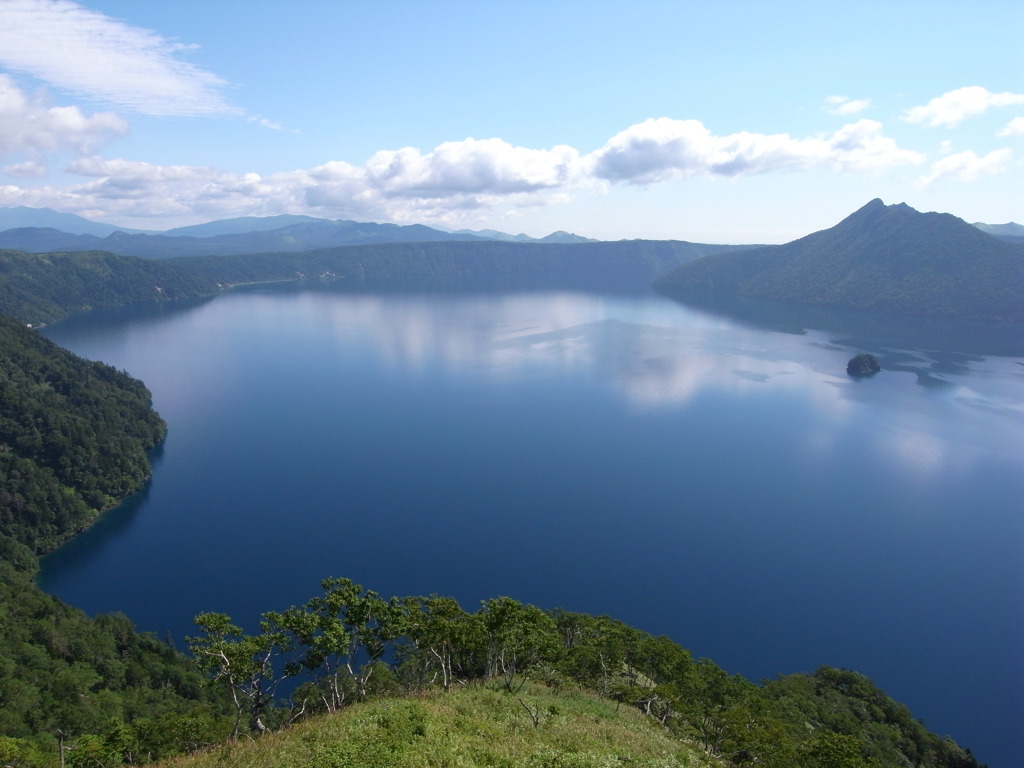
x: 659, y: 354
x: 655, y: 354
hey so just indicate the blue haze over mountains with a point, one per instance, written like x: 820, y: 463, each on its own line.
x: 24, y: 217
x: 42, y: 230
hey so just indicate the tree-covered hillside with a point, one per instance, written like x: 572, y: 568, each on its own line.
x: 67, y: 678
x: 42, y: 288
x: 74, y: 437
x: 641, y: 259
x: 882, y: 258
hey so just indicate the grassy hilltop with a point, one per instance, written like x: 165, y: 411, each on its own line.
x: 540, y: 727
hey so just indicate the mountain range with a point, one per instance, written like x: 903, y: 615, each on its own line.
x: 1010, y: 231
x: 882, y: 258
x: 887, y: 258
x: 42, y: 230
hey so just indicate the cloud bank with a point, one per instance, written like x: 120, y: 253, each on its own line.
x: 450, y: 184
x: 456, y: 184
x: 102, y: 59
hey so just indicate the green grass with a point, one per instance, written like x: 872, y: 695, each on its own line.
x: 473, y: 726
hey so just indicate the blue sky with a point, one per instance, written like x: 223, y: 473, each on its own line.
x: 742, y: 122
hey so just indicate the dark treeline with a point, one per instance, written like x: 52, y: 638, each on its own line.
x: 638, y: 258
x: 42, y: 288
x: 349, y: 644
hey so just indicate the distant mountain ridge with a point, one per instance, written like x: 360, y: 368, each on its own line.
x: 1010, y: 228
x: 880, y: 258
x: 41, y: 230
x: 239, y: 226
x: 303, y: 236
x: 23, y: 216
x: 560, y: 236
x: 1011, y: 231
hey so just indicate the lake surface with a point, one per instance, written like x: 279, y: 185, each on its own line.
x: 706, y: 472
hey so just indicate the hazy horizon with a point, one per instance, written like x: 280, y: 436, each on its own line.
x: 666, y: 121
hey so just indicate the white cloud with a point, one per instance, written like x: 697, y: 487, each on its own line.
x: 489, y: 166
x: 27, y: 170
x: 1013, y: 128
x: 841, y: 105
x: 662, y: 149
x: 31, y: 127
x: 447, y: 185
x: 952, y: 108
x: 457, y: 183
x: 103, y: 59
x: 967, y: 166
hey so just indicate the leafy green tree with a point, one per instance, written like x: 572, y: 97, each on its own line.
x: 445, y: 639
x: 518, y: 637
x: 242, y: 664
x: 342, y: 634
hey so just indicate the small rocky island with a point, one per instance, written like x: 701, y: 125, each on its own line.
x: 863, y: 365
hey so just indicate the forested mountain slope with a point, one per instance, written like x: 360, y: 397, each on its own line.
x: 73, y: 441
x: 882, y: 258
x: 639, y: 259
x: 42, y: 288
x: 73, y: 438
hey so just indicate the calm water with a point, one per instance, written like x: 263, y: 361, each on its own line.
x: 706, y: 473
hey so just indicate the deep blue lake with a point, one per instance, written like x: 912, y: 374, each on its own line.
x: 706, y: 472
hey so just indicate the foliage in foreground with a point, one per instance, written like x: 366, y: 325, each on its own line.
x: 65, y: 676
x: 351, y: 645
